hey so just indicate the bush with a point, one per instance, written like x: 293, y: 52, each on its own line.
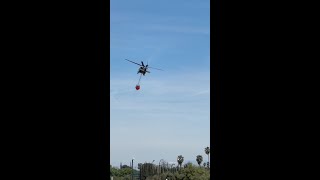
x: 124, y: 172
x: 190, y: 172
x: 193, y: 173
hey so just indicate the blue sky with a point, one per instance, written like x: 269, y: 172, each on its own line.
x: 170, y: 114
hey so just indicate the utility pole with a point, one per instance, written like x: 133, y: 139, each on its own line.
x: 161, y: 160
x: 159, y: 168
x: 132, y: 169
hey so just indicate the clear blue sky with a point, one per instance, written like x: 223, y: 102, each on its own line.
x: 170, y: 114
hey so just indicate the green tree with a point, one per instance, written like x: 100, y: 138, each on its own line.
x: 193, y: 172
x: 207, y: 151
x: 116, y: 172
x: 199, y: 159
x: 188, y: 164
x: 125, y: 166
x: 180, y: 160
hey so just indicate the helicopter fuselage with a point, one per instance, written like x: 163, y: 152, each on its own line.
x: 143, y: 70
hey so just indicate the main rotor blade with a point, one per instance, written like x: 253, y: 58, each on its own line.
x: 133, y: 62
x: 155, y: 68
x: 142, y: 63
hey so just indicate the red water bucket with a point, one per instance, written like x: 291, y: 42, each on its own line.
x: 137, y: 87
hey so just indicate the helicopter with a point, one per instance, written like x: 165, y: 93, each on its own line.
x: 143, y: 70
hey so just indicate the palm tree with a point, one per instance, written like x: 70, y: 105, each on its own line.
x: 207, y: 151
x: 204, y: 164
x: 199, y: 159
x: 180, y: 160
